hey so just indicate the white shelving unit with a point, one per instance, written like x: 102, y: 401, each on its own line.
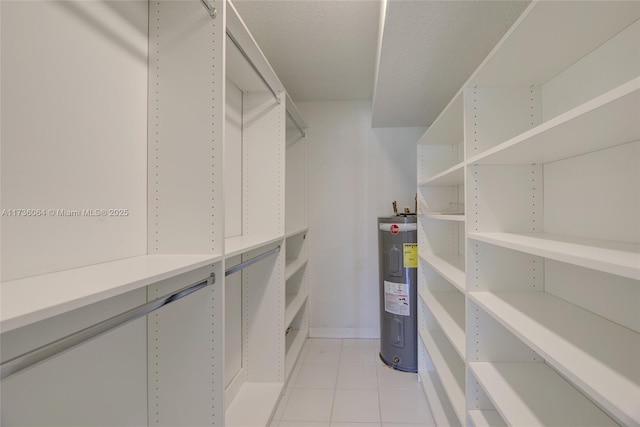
x: 173, y: 170
x: 549, y: 271
x: 296, y: 325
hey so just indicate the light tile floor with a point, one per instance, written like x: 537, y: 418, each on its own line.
x: 343, y: 383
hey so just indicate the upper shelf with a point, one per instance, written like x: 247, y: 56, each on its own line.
x: 32, y: 299
x: 245, y: 77
x: 622, y: 259
x: 447, y: 128
x: 549, y: 37
x: 290, y: 232
x: 452, y: 176
x: 605, y: 121
x: 241, y: 244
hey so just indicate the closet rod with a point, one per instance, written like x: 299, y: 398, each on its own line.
x: 250, y: 62
x: 250, y: 261
x: 296, y: 124
x: 47, y: 351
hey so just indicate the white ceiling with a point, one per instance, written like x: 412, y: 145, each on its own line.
x: 325, y: 50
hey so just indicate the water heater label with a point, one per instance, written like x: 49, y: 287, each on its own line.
x: 396, y: 298
x: 410, y: 255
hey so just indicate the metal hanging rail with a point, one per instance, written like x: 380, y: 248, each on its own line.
x: 212, y: 12
x: 253, y: 66
x: 41, y: 354
x: 250, y: 261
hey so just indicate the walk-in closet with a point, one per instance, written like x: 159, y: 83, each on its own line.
x: 191, y: 191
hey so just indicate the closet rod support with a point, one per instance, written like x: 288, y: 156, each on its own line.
x: 296, y: 124
x: 55, y: 348
x: 250, y: 261
x: 212, y: 10
x: 253, y: 66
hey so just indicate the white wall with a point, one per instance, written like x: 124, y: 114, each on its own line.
x: 355, y: 173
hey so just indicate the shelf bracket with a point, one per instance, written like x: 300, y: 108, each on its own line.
x: 213, y: 12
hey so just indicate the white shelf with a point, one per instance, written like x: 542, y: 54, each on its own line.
x: 449, y: 310
x: 447, y: 217
x: 599, y: 356
x: 486, y: 418
x: 295, y: 231
x: 294, y: 304
x: 622, y: 259
x: 447, y: 128
x: 32, y: 299
x: 449, y: 266
x: 297, y: 338
x: 242, y: 244
x: 293, y: 266
x: 450, y: 369
x: 440, y: 407
x: 554, y: 36
x: 253, y: 405
x: 532, y: 394
x: 452, y: 176
x: 608, y: 120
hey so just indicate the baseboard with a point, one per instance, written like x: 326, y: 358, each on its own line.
x: 372, y: 333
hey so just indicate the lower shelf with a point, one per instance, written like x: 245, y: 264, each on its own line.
x: 443, y: 413
x: 450, y: 369
x: 532, y: 394
x: 599, y: 356
x: 254, y: 405
x: 448, y: 310
x: 449, y: 266
x: 295, y: 341
x: 486, y: 418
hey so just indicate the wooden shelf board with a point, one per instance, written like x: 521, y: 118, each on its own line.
x: 448, y: 308
x: 449, y: 266
x: 449, y: 367
x: 622, y: 259
x: 294, y: 304
x: 531, y: 393
x: 447, y: 217
x: 290, y: 232
x: 486, y: 418
x: 452, y: 176
x: 294, y: 350
x: 254, y: 404
x: 293, y: 266
x: 32, y: 299
x: 554, y: 35
x: 241, y: 244
x: 244, y: 77
x: 447, y: 128
x: 441, y: 409
x: 608, y: 120
x: 599, y: 356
